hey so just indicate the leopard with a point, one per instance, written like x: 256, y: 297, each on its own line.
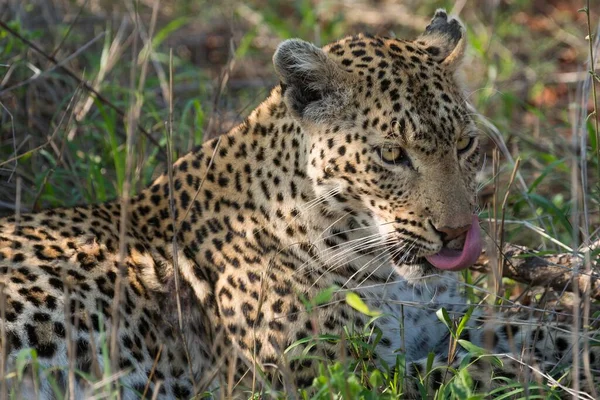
x: 354, y: 183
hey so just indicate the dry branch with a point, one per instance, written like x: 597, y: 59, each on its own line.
x: 553, y: 270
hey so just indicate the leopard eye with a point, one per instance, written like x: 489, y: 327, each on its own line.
x: 393, y: 155
x: 464, y: 143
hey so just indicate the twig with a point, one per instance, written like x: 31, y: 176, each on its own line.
x: 554, y: 271
x: 68, y: 32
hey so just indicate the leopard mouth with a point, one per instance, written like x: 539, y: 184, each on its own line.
x: 448, y: 259
x: 455, y: 260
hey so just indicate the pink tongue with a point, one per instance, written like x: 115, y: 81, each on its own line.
x: 455, y: 260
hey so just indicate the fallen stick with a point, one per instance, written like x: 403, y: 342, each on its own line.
x: 551, y: 270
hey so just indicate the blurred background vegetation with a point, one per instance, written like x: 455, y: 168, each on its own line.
x: 61, y: 146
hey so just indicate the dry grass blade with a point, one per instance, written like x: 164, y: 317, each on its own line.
x: 70, y: 331
x: 132, y: 121
x: 151, y: 375
x: 503, y: 219
x: 108, y: 61
x: 3, y: 384
x: 175, y: 247
x: 156, y: 391
x: 496, y: 277
x: 148, y: 48
x: 95, y: 368
x: 14, y: 140
x: 110, y: 380
x: 18, y: 203
x: 593, y: 42
x: 211, y: 131
x: 172, y: 210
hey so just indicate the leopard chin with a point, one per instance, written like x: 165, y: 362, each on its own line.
x: 418, y: 271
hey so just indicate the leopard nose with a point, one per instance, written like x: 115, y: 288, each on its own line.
x: 452, y: 232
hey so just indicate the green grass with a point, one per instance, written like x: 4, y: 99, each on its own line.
x: 64, y: 151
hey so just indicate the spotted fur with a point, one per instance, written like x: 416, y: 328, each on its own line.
x: 293, y: 201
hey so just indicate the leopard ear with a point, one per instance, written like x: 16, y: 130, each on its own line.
x: 313, y: 86
x: 444, y: 39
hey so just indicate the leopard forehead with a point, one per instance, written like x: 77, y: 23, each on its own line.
x: 403, y: 92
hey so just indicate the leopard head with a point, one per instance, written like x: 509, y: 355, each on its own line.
x: 391, y: 139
